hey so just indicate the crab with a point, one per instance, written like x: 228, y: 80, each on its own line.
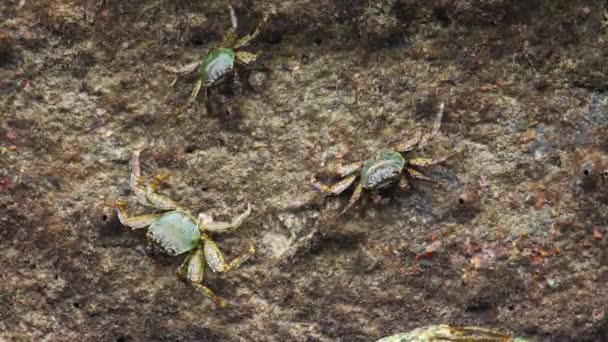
x: 442, y: 332
x: 385, y: 169
x: 176, y: 231
x: 219, y: 62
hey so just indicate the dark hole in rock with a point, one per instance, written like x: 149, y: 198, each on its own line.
x: 199, y: 36
x: 478, y: 307
x: 5, y: 58
x: 190, y: 149
x: 104, y: 217
x: 197, y: 41
x: 441, y: 14
x: 273, y: 37
x: 586, y: 172
x: 461, y: 201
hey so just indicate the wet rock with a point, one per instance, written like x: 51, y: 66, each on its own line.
x: 378, y: 25
x: 521, y: 228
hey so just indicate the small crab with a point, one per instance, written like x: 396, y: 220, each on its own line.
x: 176, y: 231
x: 385, y: 169
x: 442, y: 332
x: 220, y: 61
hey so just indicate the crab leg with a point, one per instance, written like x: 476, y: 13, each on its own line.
x: 353, y: 198
x: 138, y: 190
x: 195, y: 91
x: 345, y: 170
x: 233, y: 19
x: 237, y: 83
x: 156, y: 200
x: 336, y: 188
x: 183, y: 69
x: 423, y: 162
x: 230, y: 36
x: 341, y: 171
x: 246, y: 58
x: 192, y: 270
x: 180, y: 70
x: 418, y: 176
x: 437, y: 124
x: 206, y: 222
x: 134, y: 222
x: 404, y: 183
x: 215, y: 258
x: 468, y: 334
x: 246, y: 39
x: 408, y: 145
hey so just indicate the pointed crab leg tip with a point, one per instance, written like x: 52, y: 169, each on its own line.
x: 219, y: 303
x: 314, y: 186
x: 136, y: 153
x: 233, y: 20
x: 343, y: 211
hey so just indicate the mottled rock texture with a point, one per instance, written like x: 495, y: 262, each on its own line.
x: 514, y: 237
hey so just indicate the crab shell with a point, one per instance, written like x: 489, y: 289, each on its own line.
x: 216, y: 64
x: 444, y: 332
x: 176, y: 232
x: 382, y: 171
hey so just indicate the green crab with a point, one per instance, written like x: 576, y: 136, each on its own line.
x: 176, y: 231
x: 444, y: 332
x: 383, y: 170
x: 220, y: 61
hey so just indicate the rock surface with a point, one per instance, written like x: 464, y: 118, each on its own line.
x: 514, y: 238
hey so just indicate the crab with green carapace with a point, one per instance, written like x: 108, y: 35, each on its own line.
x: 220, y: 61
x: 176, y: 231
x: 385, y: 169
x: 442, y: 332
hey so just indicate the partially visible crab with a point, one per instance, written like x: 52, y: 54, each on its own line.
x: 385, y: 169
x: 442, y: 332
x: 220, y: 61
x: 176, y: 231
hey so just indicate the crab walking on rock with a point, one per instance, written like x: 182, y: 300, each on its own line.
x: 385, y: 169
x: 176, y: 231
x: 219, y: 62
x: 442, y: 332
